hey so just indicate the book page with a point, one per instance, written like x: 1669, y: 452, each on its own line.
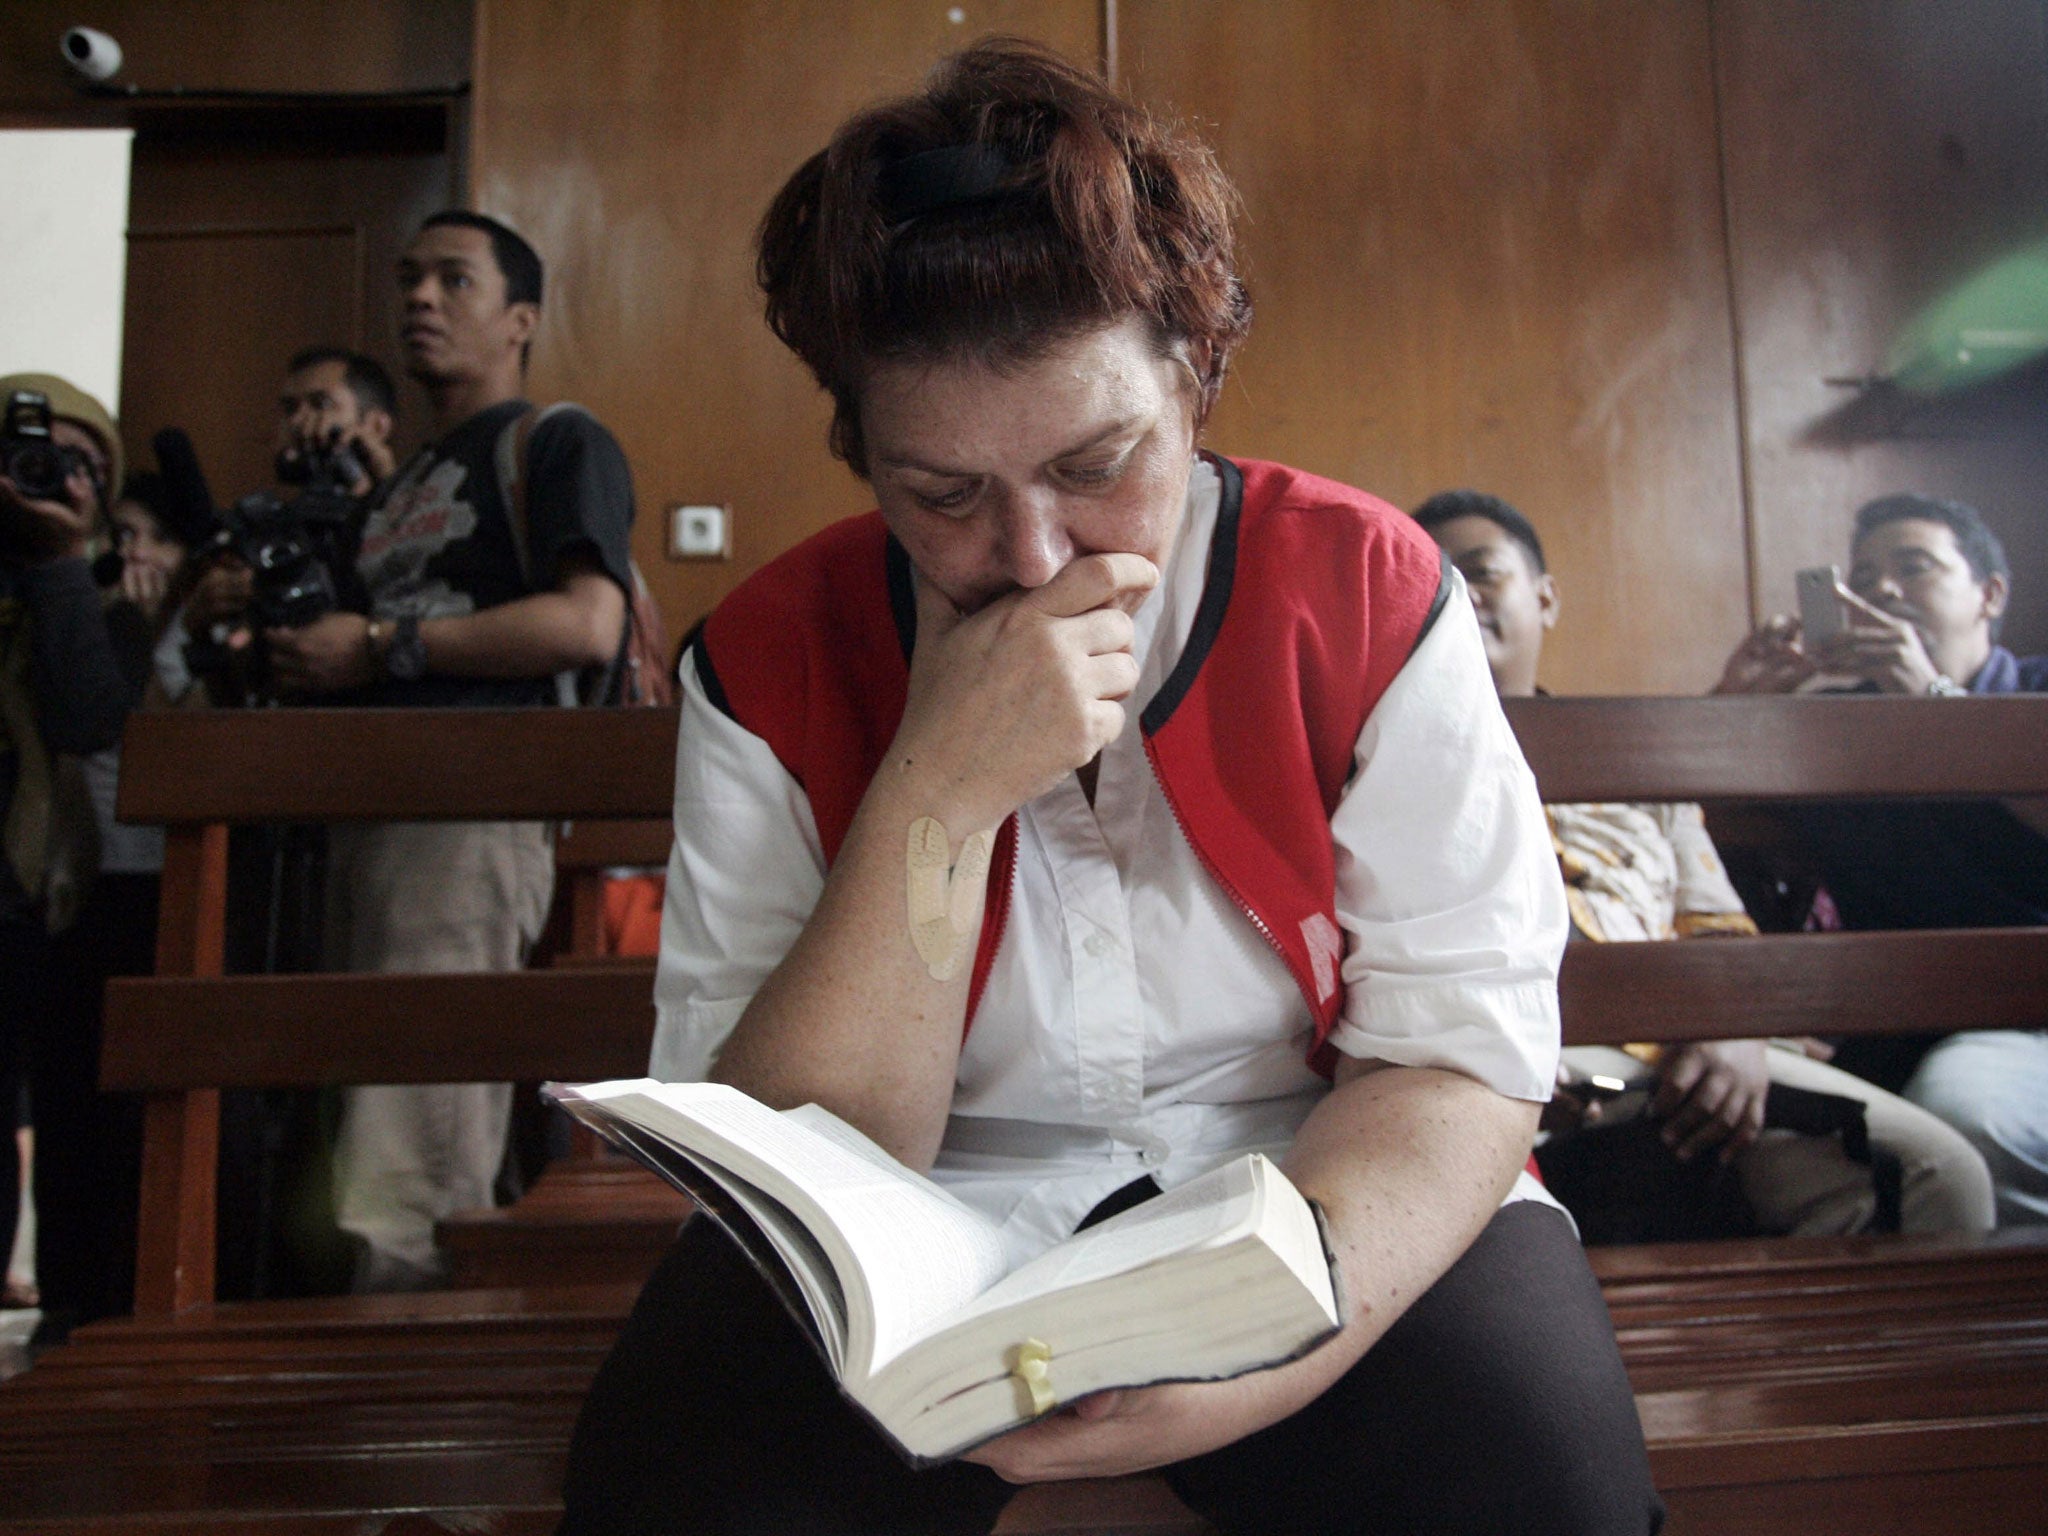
x: 1211, y: 1209
x: 909, y: 1254
x: 806, y: 1264
x: 1194, y: 1285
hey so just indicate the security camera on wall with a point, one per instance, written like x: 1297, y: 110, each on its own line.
x: 93, y: 54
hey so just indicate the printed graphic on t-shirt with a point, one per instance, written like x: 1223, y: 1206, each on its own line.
x: 404, y: 536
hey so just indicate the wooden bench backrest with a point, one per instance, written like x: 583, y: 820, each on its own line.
x: 1786, y: 748
x: 187, y: 1032
x: 196, y: 767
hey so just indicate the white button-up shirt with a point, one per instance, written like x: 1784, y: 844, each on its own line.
x: 1134, y: 1020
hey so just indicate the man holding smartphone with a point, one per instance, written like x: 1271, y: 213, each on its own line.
x: 1927, y: 592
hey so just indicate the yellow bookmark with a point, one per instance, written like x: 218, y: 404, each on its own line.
x: 1031, y: 1364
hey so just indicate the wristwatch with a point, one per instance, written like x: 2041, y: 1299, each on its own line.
x: 1946, y: 687
x: 405, y: 658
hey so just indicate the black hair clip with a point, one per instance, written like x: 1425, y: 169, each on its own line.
x: 940, y: 178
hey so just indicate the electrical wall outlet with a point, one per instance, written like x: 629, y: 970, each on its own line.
x: 699, y: 533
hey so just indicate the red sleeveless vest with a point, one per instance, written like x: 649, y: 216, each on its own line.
x: 1314, y: 596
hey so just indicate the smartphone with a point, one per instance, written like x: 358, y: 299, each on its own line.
x: 1591, y: 1088
x: 1605, y: 1099
x: 1820, y: 611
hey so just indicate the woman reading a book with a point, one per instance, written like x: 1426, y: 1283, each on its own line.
x: 1095, y: 812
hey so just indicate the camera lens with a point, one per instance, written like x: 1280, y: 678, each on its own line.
x: 278, y: 554
x: 38, y: 469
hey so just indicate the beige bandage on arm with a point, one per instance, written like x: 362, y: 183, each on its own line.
x: 944, y: 897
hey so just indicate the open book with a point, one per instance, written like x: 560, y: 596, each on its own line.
x: 906, y: 1290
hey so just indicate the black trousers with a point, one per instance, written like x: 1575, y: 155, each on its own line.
x: 1497, y: 1403
x: 88, y: 1168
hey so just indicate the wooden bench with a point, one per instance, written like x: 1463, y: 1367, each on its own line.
x: 262, y: 1415
x: 1895, y: 1384
x: 1867, y: 1384
x: 591, y: 1213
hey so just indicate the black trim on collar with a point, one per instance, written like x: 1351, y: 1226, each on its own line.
x: 902, y: 594
x: 1216, y: 585
x: 707, y: 674
x: 1436, y: 604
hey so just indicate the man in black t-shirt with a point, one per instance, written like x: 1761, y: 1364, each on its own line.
x: 497, y: 568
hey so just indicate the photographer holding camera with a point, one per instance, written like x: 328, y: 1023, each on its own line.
x: 101, y: 908
x: 283, y: 559
x: 496, y: 565
x: 336, y: 415
x: 61, y: 685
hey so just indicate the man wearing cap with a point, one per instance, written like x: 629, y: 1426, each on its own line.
x: 61, y: 690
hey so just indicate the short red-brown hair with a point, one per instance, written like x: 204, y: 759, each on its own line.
x: 1013, y: 203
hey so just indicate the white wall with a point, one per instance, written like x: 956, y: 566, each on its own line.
x: 64, y: 254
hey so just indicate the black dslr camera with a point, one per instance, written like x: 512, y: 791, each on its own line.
x: 301, y: 553
x: 37, y: 465
x: 294, y: 549
x: 301, y: 549
x: 30, y: 455
x: 323, y: 468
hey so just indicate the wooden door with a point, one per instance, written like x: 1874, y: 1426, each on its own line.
x: 255, y: 231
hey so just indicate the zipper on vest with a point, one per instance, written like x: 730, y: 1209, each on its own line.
x: 1236, y: 900
x: 997, y: 911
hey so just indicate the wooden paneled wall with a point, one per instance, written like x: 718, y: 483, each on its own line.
x: 1877, y: 152
x: 1595, y: 257
x: 1486, y: 247
x: 639, y: 159
x: 1599, y: 257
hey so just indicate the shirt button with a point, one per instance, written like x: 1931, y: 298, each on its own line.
x: 1153, y: 1156
x: 1099, y: 945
